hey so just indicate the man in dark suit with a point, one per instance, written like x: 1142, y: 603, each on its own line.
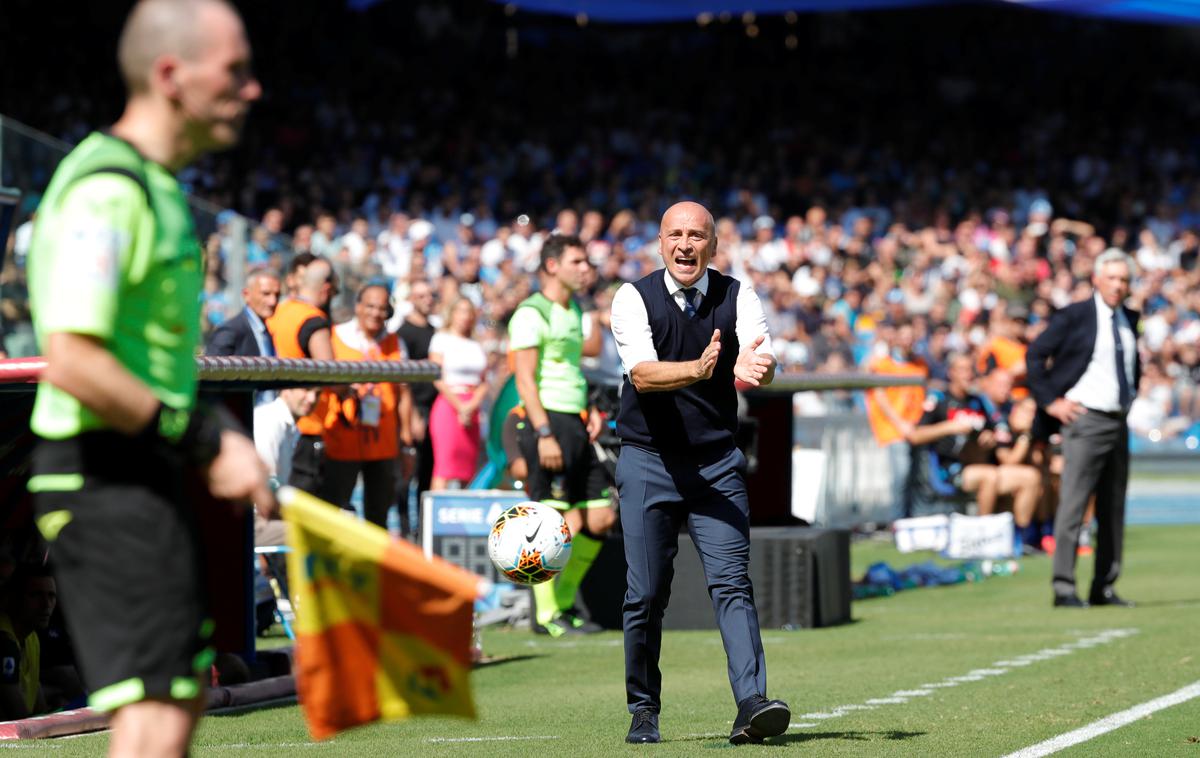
x: 1084, y: 372
x: 246, y: 333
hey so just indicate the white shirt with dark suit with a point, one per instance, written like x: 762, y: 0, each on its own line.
x: 631, y: 324
x: 1099, y: 387
x: 1076, y: 358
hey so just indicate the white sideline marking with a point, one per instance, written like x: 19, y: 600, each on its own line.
x: 487, y: 739
x: 1108, y: 723
x: 975, y: 675
x: 800, y: 725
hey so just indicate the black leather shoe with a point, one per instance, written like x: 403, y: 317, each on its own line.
x: 758, y: 718
x: 644, y: 728
x: 1108, y: 597
x: 1068, y: 601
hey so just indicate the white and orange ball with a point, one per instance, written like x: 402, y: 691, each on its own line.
x: 530, y: 543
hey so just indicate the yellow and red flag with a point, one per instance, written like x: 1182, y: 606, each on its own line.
x: 382, y: 632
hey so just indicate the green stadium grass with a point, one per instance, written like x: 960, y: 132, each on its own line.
x: 566, y: 697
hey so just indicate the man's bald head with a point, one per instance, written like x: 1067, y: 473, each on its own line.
x: 165, y: 27
x: 315, y: 275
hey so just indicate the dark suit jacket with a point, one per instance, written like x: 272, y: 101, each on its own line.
x: 1058, y: 358
x: 233, y: 337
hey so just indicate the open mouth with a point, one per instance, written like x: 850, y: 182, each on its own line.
x: 685, y: 264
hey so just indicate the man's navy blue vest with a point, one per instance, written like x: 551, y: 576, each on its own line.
x: 702, y: 417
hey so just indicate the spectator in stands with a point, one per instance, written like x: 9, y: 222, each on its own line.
x: 28, y: 604
x: 367, y: 427
x: 246, y: 333
x: 454, y: 418
x: 954, y: 438
x: 300, y: 329
x: 1005, y: 348
x: 417, y: 332
x: 1150, y: 414
x: 895, y: 411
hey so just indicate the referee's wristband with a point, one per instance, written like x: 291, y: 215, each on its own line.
x: 195, y: 434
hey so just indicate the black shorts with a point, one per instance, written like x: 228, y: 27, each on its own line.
x: 583, y: 482
x: 128, y: 562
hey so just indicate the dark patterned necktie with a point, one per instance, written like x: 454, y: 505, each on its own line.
x: 689, y: 302
x: 1119, y: 350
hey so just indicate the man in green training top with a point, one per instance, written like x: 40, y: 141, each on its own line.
x: 115, y: 280
x: 546, y: 340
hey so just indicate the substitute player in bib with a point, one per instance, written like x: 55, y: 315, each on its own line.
x: 115, y: 280
x: 546, y: 340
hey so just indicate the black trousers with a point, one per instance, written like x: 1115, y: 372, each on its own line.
x: 379, y: 486
x: 308, y: 464
x: 422, y: 474
x: 1095, y: 460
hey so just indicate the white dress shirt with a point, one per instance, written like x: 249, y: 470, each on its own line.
x: 275, y: 436
x: 631, y: 322
x: 1099, y: 388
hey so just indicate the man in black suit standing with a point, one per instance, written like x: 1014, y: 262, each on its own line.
x: 246, y: 333
x: 1084, y: 372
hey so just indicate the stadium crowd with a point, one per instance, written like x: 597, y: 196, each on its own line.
x: 848, y: 196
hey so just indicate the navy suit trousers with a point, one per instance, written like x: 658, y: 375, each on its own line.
x: 658, y: 496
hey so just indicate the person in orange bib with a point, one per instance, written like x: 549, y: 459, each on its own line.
x: 895, y: 411
x: 365, y: 428
x: 300, y: 329
x: 1005, y: 348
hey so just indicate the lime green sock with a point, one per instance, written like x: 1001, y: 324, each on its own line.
x: 584, y: 550
x: 544, y: 607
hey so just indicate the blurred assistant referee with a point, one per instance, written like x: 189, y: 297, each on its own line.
x: 684, y: 335
x: 115, y: 275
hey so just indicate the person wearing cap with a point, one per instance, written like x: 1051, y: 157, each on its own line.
x: 525, y: 244
x: 769, y: 252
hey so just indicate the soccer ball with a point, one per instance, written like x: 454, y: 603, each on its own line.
x: 529, y: 543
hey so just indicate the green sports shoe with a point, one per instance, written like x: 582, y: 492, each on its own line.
x: 579, y: 623
x: 565, y: 624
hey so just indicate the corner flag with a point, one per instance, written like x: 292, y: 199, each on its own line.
x: 382, y: 632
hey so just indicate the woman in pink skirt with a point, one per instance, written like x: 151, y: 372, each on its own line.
x: 454, y: 420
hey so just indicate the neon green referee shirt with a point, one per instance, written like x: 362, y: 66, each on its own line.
x: 115, y: 256
x: 557, y: 332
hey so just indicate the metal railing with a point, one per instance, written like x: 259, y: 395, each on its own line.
x: 263, y: 373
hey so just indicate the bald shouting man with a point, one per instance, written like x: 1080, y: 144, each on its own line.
x: 684, y: 335
x: 115, y: 281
